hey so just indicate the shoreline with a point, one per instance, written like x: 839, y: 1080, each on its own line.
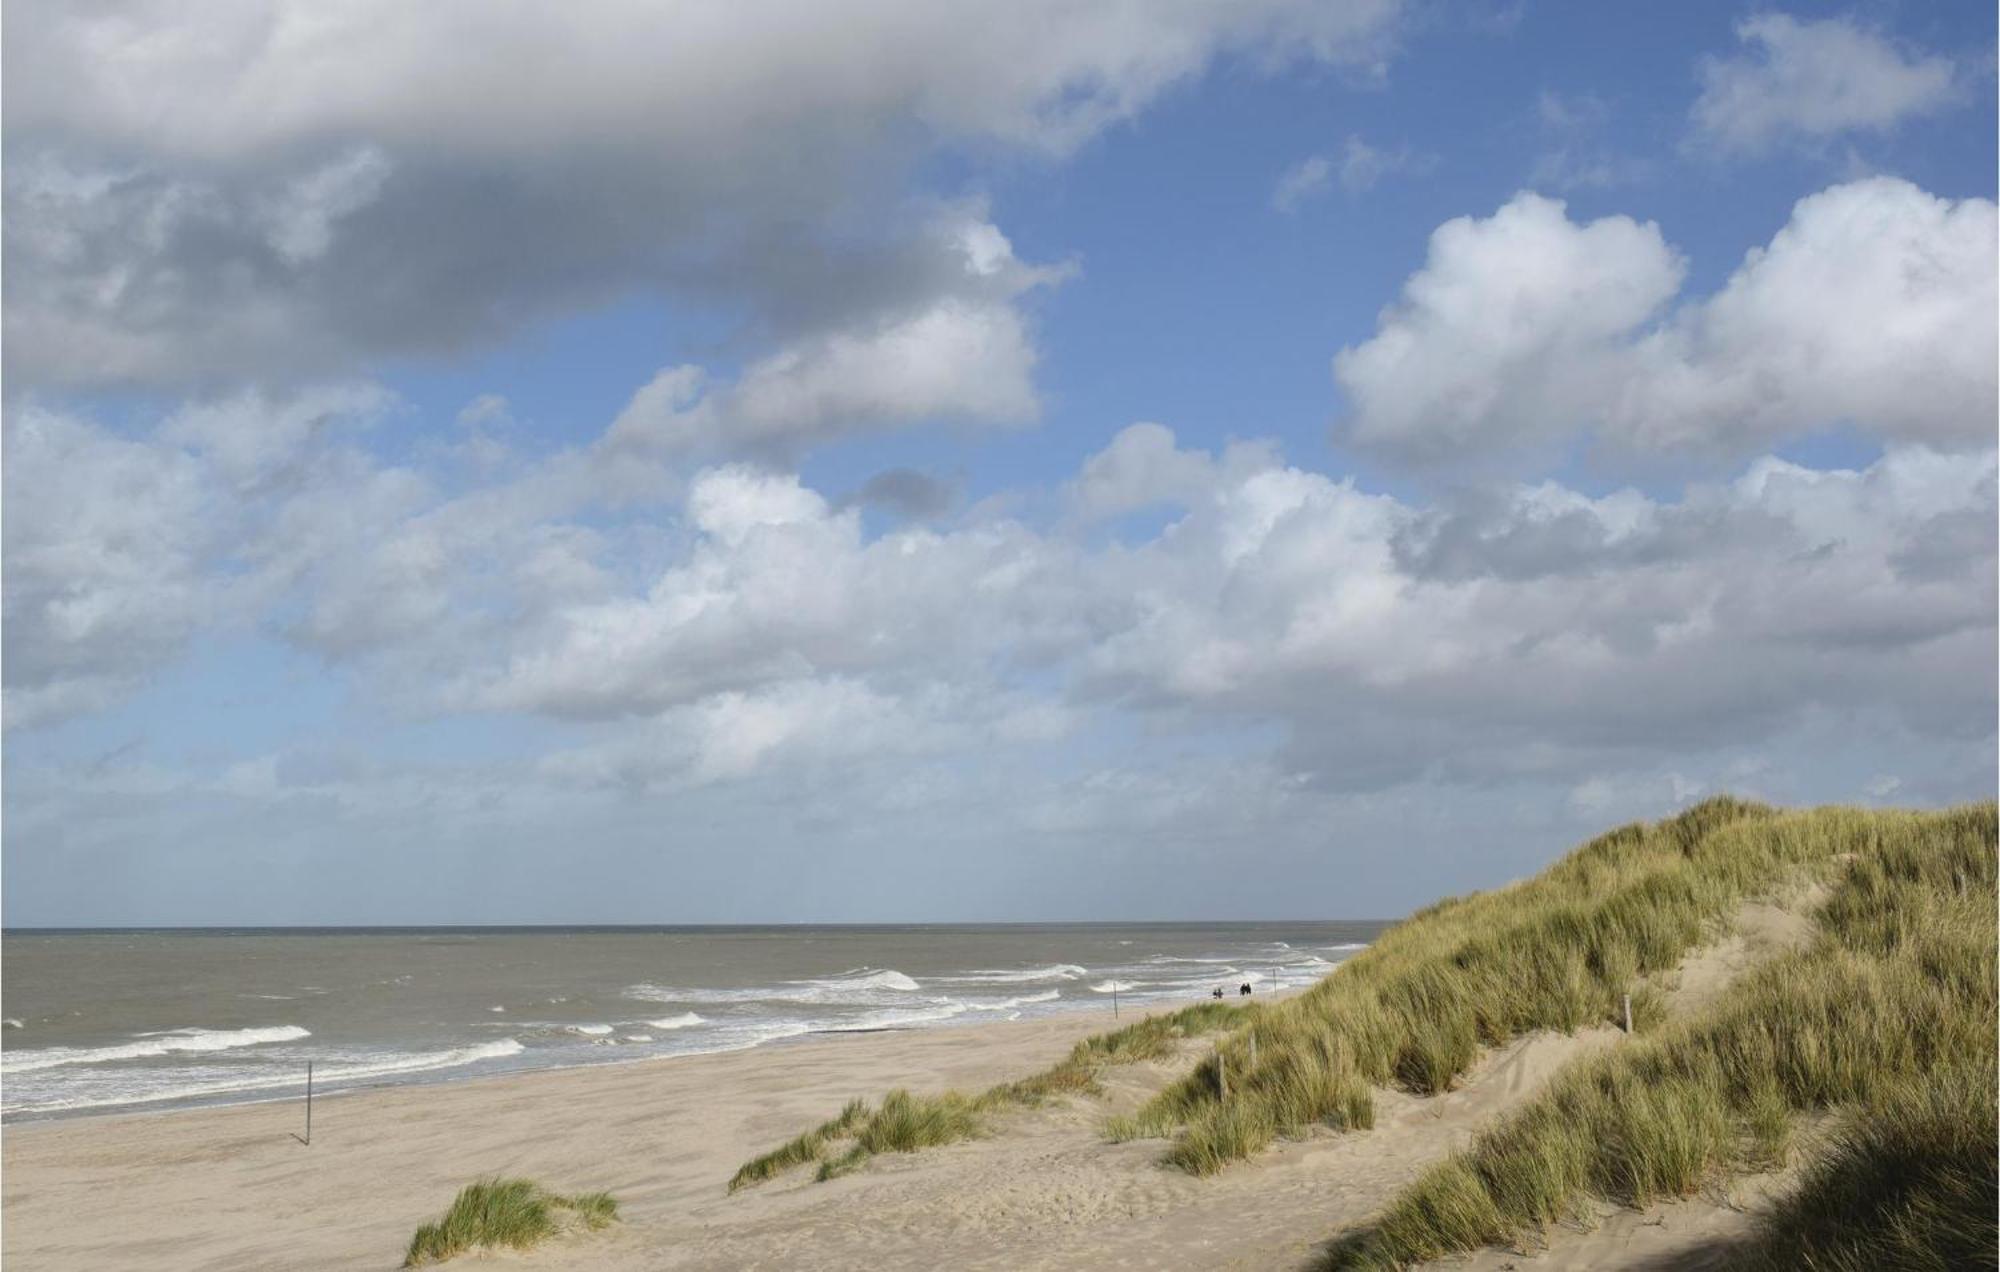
x: 231, y: 1186
x: 194, y: 1104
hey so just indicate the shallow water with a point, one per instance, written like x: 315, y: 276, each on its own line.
x: 101, y: 1021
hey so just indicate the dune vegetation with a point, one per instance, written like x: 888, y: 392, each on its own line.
x: 904, y: 1123
x: 515, y: 1213
x: 1885, y: 1024
x: 1878, y: 1033
x: 1556, y: 952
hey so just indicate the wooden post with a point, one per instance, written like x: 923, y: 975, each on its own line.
x: 1221, y: 1073
x: 1114, y: 998
x: 1628, y: 1013
x: 307, y: 1138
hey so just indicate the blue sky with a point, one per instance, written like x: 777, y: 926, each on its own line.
x: 1288, y: 460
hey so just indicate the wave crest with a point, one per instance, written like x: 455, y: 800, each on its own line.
x: 152, y: 1045
x: 685, y: 1020
x: 1022, y: 976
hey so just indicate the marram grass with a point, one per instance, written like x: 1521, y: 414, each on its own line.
x: 904, y: 1122
x: 1558, y: 951
x: 517, y: 1213
x: 1887, y: 1021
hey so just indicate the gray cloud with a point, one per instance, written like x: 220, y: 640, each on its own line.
x: 907, y: 493
x: 108, y: 559
x: 295, y: 191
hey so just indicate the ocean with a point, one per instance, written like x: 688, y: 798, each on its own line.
x: 103, y: 1021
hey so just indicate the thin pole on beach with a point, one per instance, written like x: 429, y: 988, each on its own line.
x: 1628, y: 1014
x: 1114, y: 998
x: 308, y: 1138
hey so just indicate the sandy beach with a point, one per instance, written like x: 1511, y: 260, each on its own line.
x: 230, y: 1188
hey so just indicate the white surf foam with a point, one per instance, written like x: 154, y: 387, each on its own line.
x: 900, y: 1018
x: 324, y: 1075
x: 867, y: 978
x: 1020, y: 976
x: 1114, y: 986
x: 589, y: 1031
x: 1345, y: 947
x: 1004, y: 1004
x: 860, y: 987
x: 153, y: 1045
x: 685, y: 1020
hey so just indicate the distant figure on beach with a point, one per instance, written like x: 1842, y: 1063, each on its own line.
x: 1218, y: 991
x: 1245, y: 989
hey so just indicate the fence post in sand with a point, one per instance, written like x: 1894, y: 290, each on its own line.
x: 1221, y: 1072
x: 1628, y: 1013
x: 307, y: 1138
x: 1114, y: 998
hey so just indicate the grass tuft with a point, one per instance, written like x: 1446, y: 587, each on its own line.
x: 905, y: 1122
x: 1909, y: 1184
x: 798, y: 1151
x: 515, y: 1213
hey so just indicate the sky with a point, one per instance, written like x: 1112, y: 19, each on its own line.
x: 774, y: 461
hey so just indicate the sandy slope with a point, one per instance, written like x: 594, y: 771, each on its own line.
x: 1696, y: 1233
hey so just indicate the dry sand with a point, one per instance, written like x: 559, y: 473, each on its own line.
x: 231, y: 1188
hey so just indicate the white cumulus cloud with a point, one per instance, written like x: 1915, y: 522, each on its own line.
x: 1873, y: 307
x: 1811, y: 80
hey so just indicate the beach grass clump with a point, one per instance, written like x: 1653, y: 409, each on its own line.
x: 903, y: 1123
x: 906, y: 1122
x: 511, y: 1213
x: 1449, y: 1208
x: 1886, y: 1021
x: 807, y: 1147
x: 1909, y: 1183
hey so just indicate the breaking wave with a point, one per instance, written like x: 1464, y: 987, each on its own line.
x: 151, y: 1045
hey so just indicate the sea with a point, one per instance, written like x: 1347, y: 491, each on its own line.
x: 99, y: 1021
